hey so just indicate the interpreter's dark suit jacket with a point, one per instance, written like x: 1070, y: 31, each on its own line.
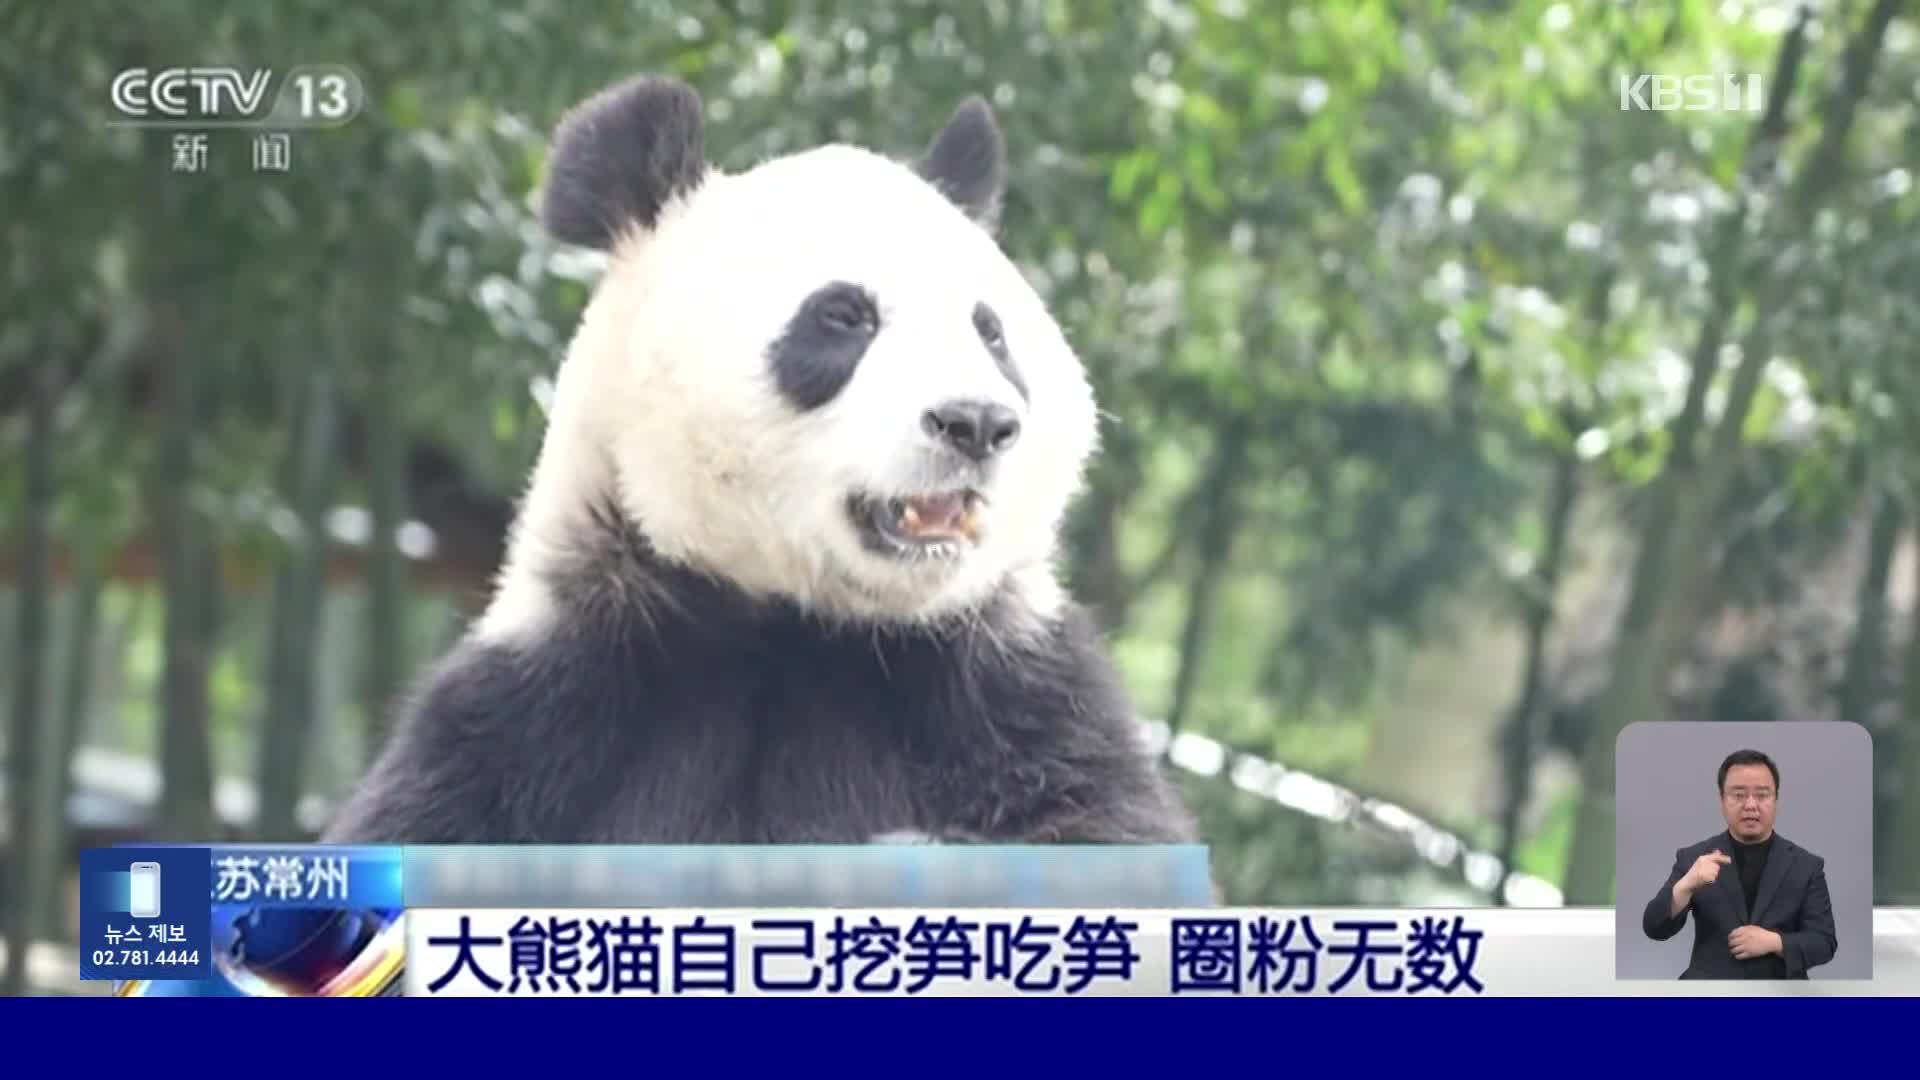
x: 1792, y: 901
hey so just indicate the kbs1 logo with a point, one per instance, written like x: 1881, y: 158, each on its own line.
x: 1692, y: 93
x: 323, y: 95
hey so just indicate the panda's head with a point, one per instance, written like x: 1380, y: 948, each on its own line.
x: 820, y: 378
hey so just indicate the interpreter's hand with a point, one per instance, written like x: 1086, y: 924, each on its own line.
x: 1751, y: 941
x: 1705, y: 870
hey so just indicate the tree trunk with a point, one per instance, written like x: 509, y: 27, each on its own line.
x: 282, y: 690
x: 1672, y: 564
x: 186, y: 753
x: 30, y: 784
x: 81, y: 657
x: 299, y: 592
x: 1864, y: 681
x: 75, y: 705
x: 386, y: 571
x: 1219, y: 520
x: 276, y: 754
x: 1901, y: 885
x: 189, y: 564
x: 1524, y: 726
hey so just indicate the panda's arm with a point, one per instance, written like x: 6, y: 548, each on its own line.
x: 416, y: 795
x: 1121, y: 797
x: 1079, y: 772
x: 439, y: 779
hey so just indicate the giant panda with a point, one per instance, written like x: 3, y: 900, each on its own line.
x: 784, y: 570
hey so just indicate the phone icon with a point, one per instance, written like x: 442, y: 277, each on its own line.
x: 145, y: 898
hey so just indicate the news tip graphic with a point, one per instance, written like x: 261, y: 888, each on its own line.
x: 297, y: 921
x: 144, y: 913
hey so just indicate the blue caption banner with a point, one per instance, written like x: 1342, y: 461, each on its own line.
x: 331, y: 921
x: 875, y: 875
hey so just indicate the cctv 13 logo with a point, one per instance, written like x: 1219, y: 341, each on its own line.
x: 313, y: 95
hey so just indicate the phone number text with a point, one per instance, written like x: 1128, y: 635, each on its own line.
x: 144, y: 957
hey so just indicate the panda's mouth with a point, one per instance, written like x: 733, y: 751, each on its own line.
x: 934, y: 523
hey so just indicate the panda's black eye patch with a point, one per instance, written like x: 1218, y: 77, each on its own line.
x: 814, y: 358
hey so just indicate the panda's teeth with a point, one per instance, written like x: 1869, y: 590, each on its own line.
x: 909, y: 517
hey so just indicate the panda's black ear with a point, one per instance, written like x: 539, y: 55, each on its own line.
x: 620, y: 156
x: 967, y: 161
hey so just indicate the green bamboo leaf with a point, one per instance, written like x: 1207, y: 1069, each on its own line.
x: 1128, y: 173
x: 1337, y: 169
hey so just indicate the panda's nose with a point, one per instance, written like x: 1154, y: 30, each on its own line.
x: 978, y: 429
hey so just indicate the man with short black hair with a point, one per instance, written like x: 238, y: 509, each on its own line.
x: 1771, y: 917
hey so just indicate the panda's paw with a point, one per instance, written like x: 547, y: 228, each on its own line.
x: 917, y: 836
x: 905, y: 836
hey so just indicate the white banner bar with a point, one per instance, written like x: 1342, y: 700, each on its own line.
x: 1470, y: 952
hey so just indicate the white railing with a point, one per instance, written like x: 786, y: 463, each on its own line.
x: 1305, y: 793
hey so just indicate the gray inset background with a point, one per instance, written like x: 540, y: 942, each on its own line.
x: 1665, y: 800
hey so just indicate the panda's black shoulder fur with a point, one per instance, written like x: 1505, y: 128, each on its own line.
x: 664, y: 707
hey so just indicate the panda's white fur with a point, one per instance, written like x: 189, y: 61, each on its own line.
x: 665, y: 396
x: 691, y: 640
